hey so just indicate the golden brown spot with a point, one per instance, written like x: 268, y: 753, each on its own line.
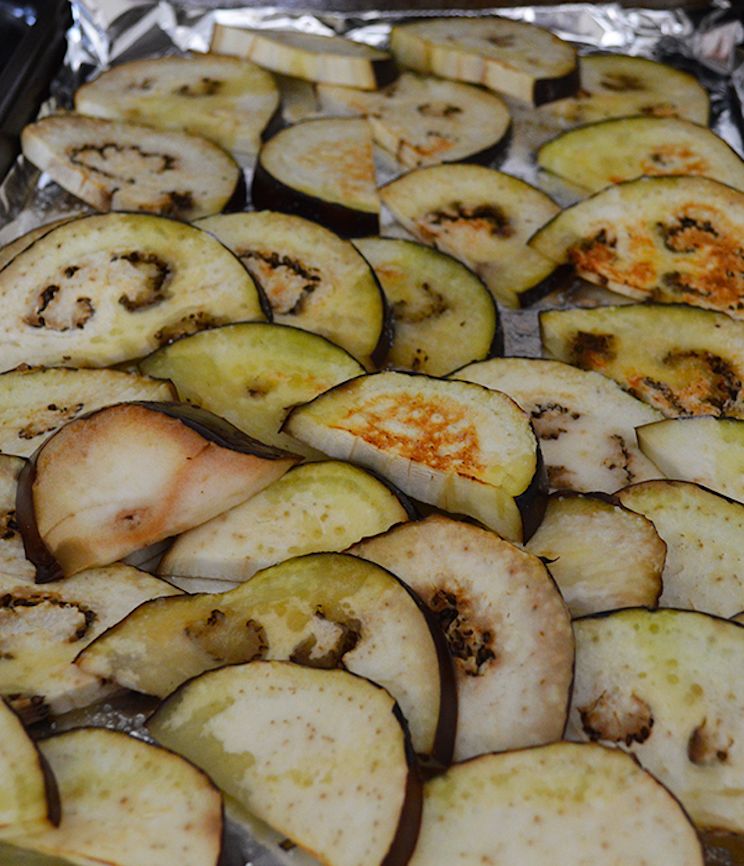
x: 617, y: 718
x: 708, y: 745
x: 228, y: 638
x: 674, y: 159
x: 471, y: 643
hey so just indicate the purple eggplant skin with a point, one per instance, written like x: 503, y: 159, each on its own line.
x: 550, y: 89
x: 268, y: 193
x: 238, y: 201
x: 37, y: 553
x: 495, y: 153
x: 533, y: 501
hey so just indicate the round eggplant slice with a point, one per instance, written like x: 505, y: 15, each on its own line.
x: 128, y: 803
x: 668, y: 687
x: 323, y: 610
x: 444, y: 316
x: 35, y: 403
x: 513, y: 57
x: 309, y: 56
x: 601, y: 555
x: 617, y: 85
x: 321, y: 756
x: 313, y: 508
x: 312, y: 279
x: 681, y: 360
x: 585, y: 422
x: 562, y: 804
x: 707, y: 451
x: 667, y: 239
x: 507, y: 627
x: 42, y: 629
x: 104, y: 289
x: 702, y: 532
x: 227, y: 100
x: 612, y: 151
x: 11, y: 250
x: 455, y: 445
x: 322, y: 169
x: 424, y: 121
x: 482, y: 217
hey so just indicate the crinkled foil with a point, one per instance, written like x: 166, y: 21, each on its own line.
x: 111, y: 31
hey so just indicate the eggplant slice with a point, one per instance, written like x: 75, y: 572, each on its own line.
x: 602, y: 556
x: 105, y: 485
x: 482, y: 217
x: 227, y: 100
x: 513, y: 57
x: 127, y: 166
x: 585, y: 422
x: 612, y: 151
x: 618, y: 85
x: 313, y: 508
x: 13, y: 562
x: 704, y: 567
x: 664, y: 239
x: 330, y: 59
x: 514, y: 809
x: 312, y: 279
x: 455, y: 445
x: 706, y: 451
x: 35, y: 403
x: 128, y: 803
x: 507, y: 627
x: 424, y: 121
x: 668, y: 687
x: 443, y: 315
x: 680, y: 360
x: 322, y: 169
x: 104, y: 289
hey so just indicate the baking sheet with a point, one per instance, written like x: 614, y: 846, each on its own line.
x: 109, y: 31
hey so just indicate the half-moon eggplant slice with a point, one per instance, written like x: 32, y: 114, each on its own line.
x: 424, y: 121
x: 227, y: 100
x: 42, y: 629
x: 680, y: 360
x: 322, y: 169
x: 513, y: 57
x: 311, y: 278
x: 324, y: 610
x: 24, y: 241
x: 321, y: 756
x: 482, y: 217
x: 330, y: 59
x: 252, y: 373
x: 313, y: 508
x: 507, y: 627
x: 602, y: 555
x: 559, y: 804
x: 585, y: 422
x: 663, y: 239
x: 126, y: 802
x: 668, y: 687
x: 455, y: 445
x: 707, y: 451
x: 35, y: 403
x: 127, y: 166
x: 704, y: 567
x: 618, y: 85
x: 612, y: 151
x: 129, y: 475
x: 443, y: 315
x: 104, y: 289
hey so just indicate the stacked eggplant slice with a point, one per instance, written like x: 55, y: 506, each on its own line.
x: 393, y: 597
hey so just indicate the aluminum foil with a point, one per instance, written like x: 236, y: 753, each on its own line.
x: 105, y: 32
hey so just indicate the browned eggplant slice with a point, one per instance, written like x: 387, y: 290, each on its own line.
x: 681, y: 360
x: 514, y: 809
x: 321, y: 756
x: 322, y: 169
x: 455, y: 445
x: 323, y: 610
x: 668, y: 687
x: 105, y: 485
x: 507, y: 628
x: 602, y: 556
x: 128, y: 803
x: 702, y: 532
